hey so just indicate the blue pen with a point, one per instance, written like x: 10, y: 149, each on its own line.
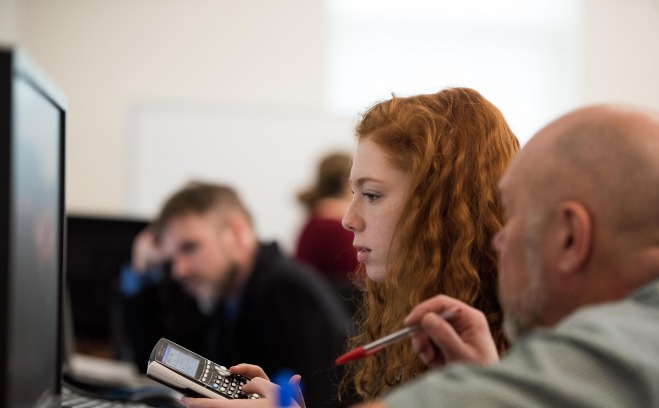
x: 287, y: 393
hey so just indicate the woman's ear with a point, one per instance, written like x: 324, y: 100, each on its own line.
x: 575, y: 237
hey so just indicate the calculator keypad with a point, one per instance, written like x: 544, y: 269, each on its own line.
x: 220, y: 379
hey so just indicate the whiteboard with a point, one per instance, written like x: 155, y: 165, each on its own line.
x: 267, y: 156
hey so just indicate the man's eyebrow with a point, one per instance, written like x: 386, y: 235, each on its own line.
x: 189, y: 245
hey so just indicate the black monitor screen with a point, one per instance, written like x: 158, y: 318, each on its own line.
x: 32, y: 208
x: 96, y: 248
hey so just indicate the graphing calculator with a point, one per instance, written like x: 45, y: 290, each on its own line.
x: 192, y: 375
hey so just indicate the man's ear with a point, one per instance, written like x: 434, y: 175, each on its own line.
x: 575, y: 236
x: 241, y: 229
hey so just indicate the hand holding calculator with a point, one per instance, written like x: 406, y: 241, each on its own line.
x: 193, y: 375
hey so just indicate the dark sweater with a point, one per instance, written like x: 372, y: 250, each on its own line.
x: 287, y: 317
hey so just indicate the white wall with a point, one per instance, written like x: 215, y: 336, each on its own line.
x: 520, y: 54
x: 113, y: 58
x: 267, y: 155
x: 9, y: 21
x: 620, y: 52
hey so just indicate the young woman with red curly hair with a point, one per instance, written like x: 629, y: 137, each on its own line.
x: 424, y: 211
x: 425, y: 208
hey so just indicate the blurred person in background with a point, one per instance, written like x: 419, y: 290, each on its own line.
x: 246, y: 301
x: 323, y: 242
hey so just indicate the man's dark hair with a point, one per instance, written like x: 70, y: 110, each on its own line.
x: 199, y: 198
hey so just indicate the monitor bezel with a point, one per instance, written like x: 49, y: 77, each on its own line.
x: 16, y: 64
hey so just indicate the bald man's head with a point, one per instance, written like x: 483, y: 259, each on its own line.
x: 582, y: 201
x: 604, y: 156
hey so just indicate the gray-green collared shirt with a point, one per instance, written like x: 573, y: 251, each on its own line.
x: 601, y: 356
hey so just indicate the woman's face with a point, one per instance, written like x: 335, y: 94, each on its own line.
x: 379, y: 194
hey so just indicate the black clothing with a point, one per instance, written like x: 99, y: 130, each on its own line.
x: 287, y: 317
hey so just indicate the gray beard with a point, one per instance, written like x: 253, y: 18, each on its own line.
x: 523, y: 313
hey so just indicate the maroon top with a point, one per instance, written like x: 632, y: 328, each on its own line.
x: 327, y: 246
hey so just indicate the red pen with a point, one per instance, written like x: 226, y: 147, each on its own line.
x: 378, y: 345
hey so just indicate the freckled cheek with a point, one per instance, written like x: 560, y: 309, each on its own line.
x: 387, y: 232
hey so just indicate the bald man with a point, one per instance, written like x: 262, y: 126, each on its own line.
x: 579, y: 279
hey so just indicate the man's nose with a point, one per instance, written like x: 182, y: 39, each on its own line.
x: 180, y: 267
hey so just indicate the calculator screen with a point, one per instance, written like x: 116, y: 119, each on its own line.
x: 181, y: 361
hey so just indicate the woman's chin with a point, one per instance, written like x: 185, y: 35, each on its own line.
x: 375, y: 274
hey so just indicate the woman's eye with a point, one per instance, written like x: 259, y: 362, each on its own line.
x: 371, y: 197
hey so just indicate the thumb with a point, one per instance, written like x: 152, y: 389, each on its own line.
x: 443, y: 335
x: 295, y: 382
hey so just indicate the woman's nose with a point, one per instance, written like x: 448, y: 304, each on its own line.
x: 351, y: 221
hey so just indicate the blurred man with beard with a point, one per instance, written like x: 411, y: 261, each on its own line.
x: 241, y: 299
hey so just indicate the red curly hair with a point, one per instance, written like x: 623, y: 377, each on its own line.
x: 455, y: 144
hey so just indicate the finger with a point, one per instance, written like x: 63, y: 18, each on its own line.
x: 442, y: 334
x: 260, y: 386
x: 436, y: 304
x: 437, y: 357
x: 249, y: 371
x: 295, y: 382
x: 427, y: 352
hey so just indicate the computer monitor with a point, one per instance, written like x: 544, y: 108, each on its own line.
x: 32, y: 150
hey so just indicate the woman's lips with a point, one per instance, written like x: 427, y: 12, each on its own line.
x: 362, y: 253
